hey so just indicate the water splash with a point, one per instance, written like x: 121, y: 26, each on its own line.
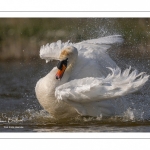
x: 129, y: 115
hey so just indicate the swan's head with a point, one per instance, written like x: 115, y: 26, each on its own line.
x: 67, y: 57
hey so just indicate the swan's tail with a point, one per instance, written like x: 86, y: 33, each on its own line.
x: 91, y: 89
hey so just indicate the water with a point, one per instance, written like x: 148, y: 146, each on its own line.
x: 21, y: 112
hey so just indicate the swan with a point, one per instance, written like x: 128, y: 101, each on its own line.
x: 84, y: 78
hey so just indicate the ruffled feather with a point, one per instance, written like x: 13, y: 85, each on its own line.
x: 52, y: 51
x: 95, y: 89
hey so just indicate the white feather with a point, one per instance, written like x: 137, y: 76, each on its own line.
x: 96, y: 89
x: 52, y: 51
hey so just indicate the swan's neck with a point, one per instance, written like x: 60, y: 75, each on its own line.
x: 52, y: 82
x: 45, y: 92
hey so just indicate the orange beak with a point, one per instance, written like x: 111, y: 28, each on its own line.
x: 60, y: 73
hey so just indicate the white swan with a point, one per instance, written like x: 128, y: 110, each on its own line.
x: 84, y: 78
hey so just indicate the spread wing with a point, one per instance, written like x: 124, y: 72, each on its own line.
x: 88, y: 95
x: 52, y: 51
x: 95, y: 89
x: 93, y: 58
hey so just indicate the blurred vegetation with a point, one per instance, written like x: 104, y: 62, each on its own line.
x: 21, y: 38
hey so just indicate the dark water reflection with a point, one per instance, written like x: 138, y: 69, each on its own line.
x: 21, y: 112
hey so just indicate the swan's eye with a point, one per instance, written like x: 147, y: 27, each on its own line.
x: 61, y: 63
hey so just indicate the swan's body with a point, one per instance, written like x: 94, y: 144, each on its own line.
x: 90, y: 78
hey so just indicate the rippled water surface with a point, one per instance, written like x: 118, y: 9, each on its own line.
x: 21, y: 112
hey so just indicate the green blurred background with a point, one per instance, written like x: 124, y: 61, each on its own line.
x: 21, y: 38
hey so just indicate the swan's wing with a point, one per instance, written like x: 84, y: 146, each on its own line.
x: 81, y: 92
x: 93, y: 58
x: 89, y: 98
x: 52, y: 51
